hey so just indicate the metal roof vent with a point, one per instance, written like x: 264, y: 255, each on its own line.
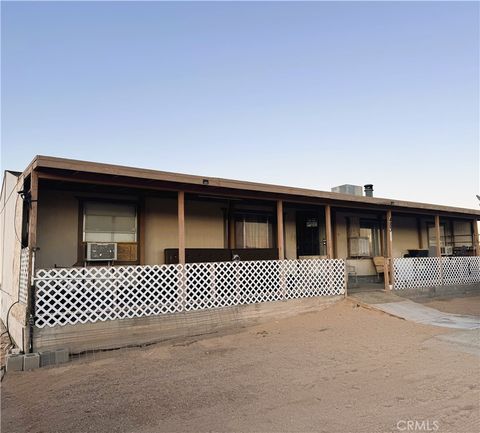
x: 368, y: 190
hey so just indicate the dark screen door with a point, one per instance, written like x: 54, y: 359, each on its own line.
x: 308, y: 235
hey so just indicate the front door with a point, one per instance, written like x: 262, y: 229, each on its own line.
x: 308, y: 234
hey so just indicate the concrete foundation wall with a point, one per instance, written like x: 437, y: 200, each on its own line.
x: 430, y: 292
x: 129, y: 332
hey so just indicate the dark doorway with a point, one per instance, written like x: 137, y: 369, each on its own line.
x: 308, y: 233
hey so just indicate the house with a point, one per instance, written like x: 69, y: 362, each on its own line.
x: 85, y: 245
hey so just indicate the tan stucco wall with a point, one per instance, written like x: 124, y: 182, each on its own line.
x: 340, y: 236
x: 57, y: 229
x: 404, y: 235
x: 204, y: 224
x: 161, y: 228
x: 57, y: 234
x: 290, y: 235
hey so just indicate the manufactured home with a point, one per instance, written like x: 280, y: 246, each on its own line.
x: 99, y: 256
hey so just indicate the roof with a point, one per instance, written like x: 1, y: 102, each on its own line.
x: 48, y: 162
x: 15, y: 173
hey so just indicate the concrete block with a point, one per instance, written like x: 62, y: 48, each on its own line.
x: 31, y: 361
x: 14, y: 362
x: 47, y: 358
x: 61, y: 356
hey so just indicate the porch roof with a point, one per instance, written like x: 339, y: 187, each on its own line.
x: 80, y: 171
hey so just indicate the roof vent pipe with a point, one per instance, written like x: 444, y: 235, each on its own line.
x: 368, y: 190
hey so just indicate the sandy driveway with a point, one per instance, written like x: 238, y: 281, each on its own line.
x: 344, y: 369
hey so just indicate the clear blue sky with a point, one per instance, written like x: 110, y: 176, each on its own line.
x: 301, y: 94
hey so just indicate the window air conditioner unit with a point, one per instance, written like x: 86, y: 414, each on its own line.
x: 103, y: 251
x: 447, y: 251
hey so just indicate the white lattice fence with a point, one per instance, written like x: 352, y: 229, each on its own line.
x: 23, y: 279
x: 460, y: 270
x: 417, y: 272
x: 80, y: 295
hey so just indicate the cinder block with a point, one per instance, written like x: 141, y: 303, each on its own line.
x: 61, y: 356
x: 14, y: 362
x: 31, y: 361
x: 47, y: 358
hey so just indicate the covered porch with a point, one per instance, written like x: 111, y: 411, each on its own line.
x: 152, y: 222
x: 104, y: 244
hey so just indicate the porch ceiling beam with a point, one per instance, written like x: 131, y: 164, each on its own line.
x: 168, y: 186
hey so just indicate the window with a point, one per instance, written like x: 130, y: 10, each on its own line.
x: 432, y: 235
x: 253, y: 231
x: 364, y: 238
x: 109, y: 222
x: 371, y: 230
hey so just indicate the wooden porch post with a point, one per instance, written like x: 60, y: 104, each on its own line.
x: 476, y: 242
x: 32, y: 245
x: 328, y: 231
x: 141, y: 229
x: 32, y: 223
x: 388, y: 275
x: 280, y: 242
x: 437, y: 236
x: 181, y: 227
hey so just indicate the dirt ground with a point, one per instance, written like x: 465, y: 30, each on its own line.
x: 469, y: 305
x: 344, y: 369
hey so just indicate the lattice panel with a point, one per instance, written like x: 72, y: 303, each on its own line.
x: 417, y: 272
x: 460, y: 270
x: 81, y: 295
x: 307, y: 278
x: 23, y: 280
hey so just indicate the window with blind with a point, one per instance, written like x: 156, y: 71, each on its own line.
x: 253, y: 231
x: 109, y: 222
x: 364, y: 238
